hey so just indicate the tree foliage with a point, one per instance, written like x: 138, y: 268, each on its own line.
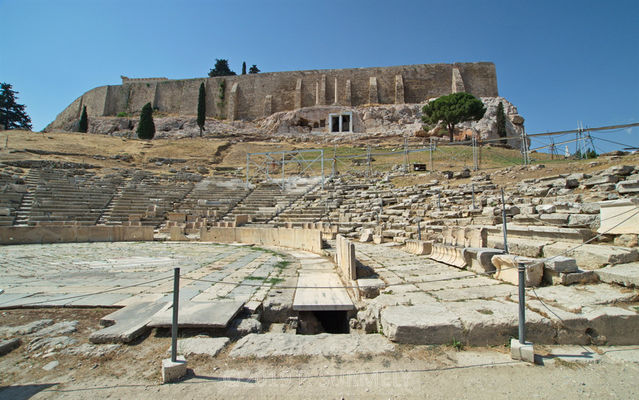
x: 146, y: 127
x: 12, y: 114
x: 201, y: 108
x: 243, y: 67
x: 453, y: 109
x: 254, y: 69
x: 221, y: 68
x: 501, y: 122
x: 83, y: 126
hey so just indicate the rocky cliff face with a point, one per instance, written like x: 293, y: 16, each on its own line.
x: 168, y: 127
x: 388, y: 120
x: 310, y: 124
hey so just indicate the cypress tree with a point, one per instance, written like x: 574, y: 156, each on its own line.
x: 201, y: 108
x: 12, y: 114
x: 501, y: 123
x: 244, y: 68
x: 84, y: 121
x: 146, y: 127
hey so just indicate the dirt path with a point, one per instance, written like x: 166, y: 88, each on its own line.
x: 382, y: 377
x: 133, y: 372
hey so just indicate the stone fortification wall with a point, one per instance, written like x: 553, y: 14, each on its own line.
x: 254, y: 96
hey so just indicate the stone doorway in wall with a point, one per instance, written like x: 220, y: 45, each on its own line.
x: 342, y: 122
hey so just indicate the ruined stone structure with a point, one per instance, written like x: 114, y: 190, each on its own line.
x: 254, y: 96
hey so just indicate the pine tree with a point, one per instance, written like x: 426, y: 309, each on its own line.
x: 501, y: 123
x: 146, y: 127
x: 453, y: 109
x: 244, y: 68
x: 12, y: 114
x: 201, y: 108
x: 84, y: 121
x: 254, y: 69
x: 221, y: 68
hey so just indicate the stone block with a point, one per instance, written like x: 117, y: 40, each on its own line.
x: 522, y: 351
x: 366, y: 236
x: 421, y: 324
x: 601, y: 180
x: 241, y: 220
x: 619, y: 216
x: 571, y: 278
x: 480, y: 259
x: 555, y: 218
x: 590, y: 256
x: 346, y: 261
x: 202, y: 345
x: 6, y: 346
x: 507, y: 266
x: 619, y: 170
x: 493, y: 323
x: 522, y: 247
x: 583, y: 221
x: 627, y: 187
x: 613, y: 325
x: 622, y: 274
x: 172, y: 371
x: 561, y: 264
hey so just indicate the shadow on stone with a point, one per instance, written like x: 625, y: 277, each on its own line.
x: 23, y: 392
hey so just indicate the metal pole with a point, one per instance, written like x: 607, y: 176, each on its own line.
x: 475, y: 158
x: 174, y: 324
x: 282, y: 170
x: 503, y: 217
x: 439, y: 201
x: 472, y: 188
x: 522, y: 303
x: 419, y: 230
x: 334, y: 159
x: 430, y: 155
x: 405, y: 155
x: 248, y: 156
x: 323, y: 167
x: 368, y: 158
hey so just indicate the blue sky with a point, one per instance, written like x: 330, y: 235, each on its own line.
x: 559, y: 62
